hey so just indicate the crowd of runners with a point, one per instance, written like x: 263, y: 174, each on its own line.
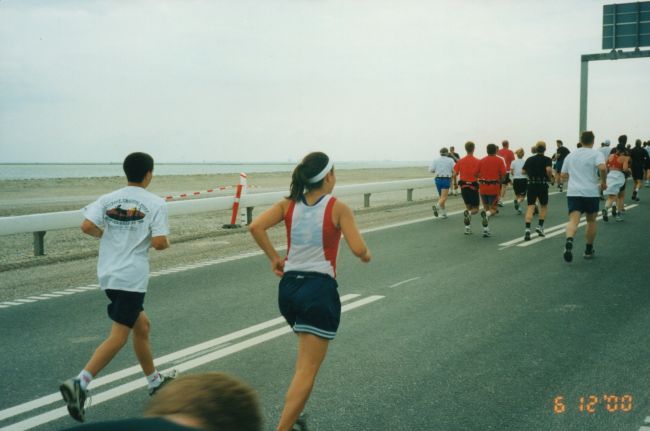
x: 131, y: 220
x: 590, y: 175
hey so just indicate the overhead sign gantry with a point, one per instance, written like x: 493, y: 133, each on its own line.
x: 625, y: 25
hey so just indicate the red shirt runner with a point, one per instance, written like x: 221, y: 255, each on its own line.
x: 468, y: 169
x: 491, y: 168
x: 508, y: 156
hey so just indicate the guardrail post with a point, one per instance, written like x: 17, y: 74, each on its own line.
x: 366, y: 200
x: 249, y: 215
x: 409, y: 195
x: 39, y: 243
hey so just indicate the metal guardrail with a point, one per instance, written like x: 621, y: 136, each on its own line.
x: 39, y: 224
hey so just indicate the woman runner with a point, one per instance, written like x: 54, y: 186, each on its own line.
x: 617, y: 166
x: 308, y: 296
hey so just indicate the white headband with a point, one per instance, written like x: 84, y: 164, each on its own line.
x: 322, y: 173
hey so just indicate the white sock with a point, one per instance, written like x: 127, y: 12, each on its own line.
x: 154, y: 379
x: 488, y: 213
x: 444, y: 211
x: 84, y: 379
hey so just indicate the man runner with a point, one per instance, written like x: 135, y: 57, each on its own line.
x: 561, y: 154
x: 466, y: 175
x: 580, y: 169
x: 128, y: 222
x: 538, y: 169
x: 492, y: 171
x: 443, y: 167
x: 508, y: 156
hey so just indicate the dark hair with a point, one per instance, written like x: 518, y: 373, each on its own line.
x: 620, y: 148
x: 622, y: 139
x: 505, y: 143
x: 311, y: 165
x: 558, y: 141
x: 469, y: 146
x: 540, y: 147
x: 136, y: 166
x: 587, y: 137
x: 492, y: 149
x: 219, y: 401
x: 637, y: 143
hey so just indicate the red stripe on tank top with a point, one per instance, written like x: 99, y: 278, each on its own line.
x: 288, y: 217
x: 331, y: 235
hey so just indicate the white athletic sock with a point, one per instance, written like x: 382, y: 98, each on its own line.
x: 154, y: 379
x: 84, y: 379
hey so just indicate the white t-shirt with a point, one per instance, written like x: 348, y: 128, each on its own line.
x: 516, y: 167
x: 443, y: 166
x: 605, y: 151
x: 582, y: 167
x: 130, y: 217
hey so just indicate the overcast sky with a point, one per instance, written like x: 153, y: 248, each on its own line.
x: 270, y: 80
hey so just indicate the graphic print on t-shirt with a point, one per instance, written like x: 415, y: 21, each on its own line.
x: 125, y: 212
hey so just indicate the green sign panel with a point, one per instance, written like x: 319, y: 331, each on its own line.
x: 626, y: 25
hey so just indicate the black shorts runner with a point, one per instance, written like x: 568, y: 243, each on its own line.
x: 470, y: 195
x: 125, y: 307
x: 537, y: 192
x: 637, y: 172
x: 520, y: 185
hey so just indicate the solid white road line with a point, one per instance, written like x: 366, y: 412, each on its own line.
x: 188, y: 365
x: 403, y: 282
x: 118, y: 375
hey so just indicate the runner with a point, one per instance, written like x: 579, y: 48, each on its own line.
x: 519, y: 179
x: 454, y: 155
x: 617, y: 167
x: 604, y: 148
x: 492, y: 171
x: 466, y: 176
x: 561, y: 154
x: 133, y: 220
x: 308, y: 296
x: 443, y: 167
x: 646, y: 145
x: 639, y: 158
x: 508, y: 157
x: 539, y: 171
x: 580, y: 169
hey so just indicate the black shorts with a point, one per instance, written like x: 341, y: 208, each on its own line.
x: 637, y: 172
x: 125, y: 307
x: 520, y: 185
x: 309, y: 302
x: 647, y: 163
x: 506, y: 180
x: 537, y: 192
x: 583, y: 204
x: 470, y: 196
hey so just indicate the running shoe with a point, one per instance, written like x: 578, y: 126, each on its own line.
x: 619, y: 217
x: 589, y: 254
x: 301, y: 424
x: 444, y: 216
x: 435, y: 210
x: 634, y: 195
x: 568, y: 255
x: 166, y: 378
x: 527, y: 235
x: 500, y: 204
x: 605, y: 216
x: 467, y: 218
x: 486, y: 232
x: 614, y: 212
x: 560, y: 188
x: 540, y: 231
x: 516, y: 203
x: 484, y: 219
x: 468, y: 230
x: 75, y: 397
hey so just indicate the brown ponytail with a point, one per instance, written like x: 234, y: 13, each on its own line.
x: 311, y: 165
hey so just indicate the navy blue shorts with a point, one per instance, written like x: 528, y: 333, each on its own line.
x: 309, y: 302
x: 583, y: 204
x: 442, y: 183
x: 488, y: 200
x: 125, y: 307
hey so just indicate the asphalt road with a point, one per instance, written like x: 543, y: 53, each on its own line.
x: 446, y: 332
